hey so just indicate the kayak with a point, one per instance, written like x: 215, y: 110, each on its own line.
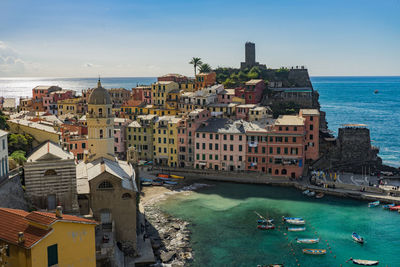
x: 373, y: 204
x: 296, y: 222
x: 296, y: 229
x: 388, y: 206
x: 146, y: 183
x: 307, y: 240
x: 177, y: 176
x: 160, y: 175
x: 266, y: 227
x: 363, y: 262
x: 356, y: 237
x: 314, y: 251
x: 170, y: 182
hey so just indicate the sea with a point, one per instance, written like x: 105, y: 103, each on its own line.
x: 345, y: 100
x: 223, y: 223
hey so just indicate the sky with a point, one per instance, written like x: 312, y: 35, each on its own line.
x: 130, y: 38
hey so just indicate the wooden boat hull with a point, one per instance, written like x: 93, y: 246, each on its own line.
x: 314, y: 251
x: 296, y: 229
x: 307, y: 240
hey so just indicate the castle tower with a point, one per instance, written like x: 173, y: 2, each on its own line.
x: 250, y: 54
x: 100, y: 122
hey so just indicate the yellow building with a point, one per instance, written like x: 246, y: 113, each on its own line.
x: 160, y: 92
x: 41, y: 239
x: 132, y: 112
x: 71, y: 106
x: 139, y: 134
x: 165, y: 141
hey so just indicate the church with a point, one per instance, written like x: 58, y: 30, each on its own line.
x: 107, y: 187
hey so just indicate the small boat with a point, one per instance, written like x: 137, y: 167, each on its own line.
x: 161, y: 175
x: 164, y: 179
x: 306, y: 192
x: 271, y: 265
x: 356, y: 237
x: 320, y: 195
x: 376, y: 91
x: 296, y: 222
x: 176, y: 176
x: 395, y: 207
x: 146, y: 183
x: 266, y: 227
x: 374, y: 204
x: 296, y: 229
x: 313, y: 251
x: 292, y: 218
x: 311, y: 194
x: 363, y: 262
x: 388, y: 206
x: 260, y: 221
x: 170, y: 182
x: 307, y: 240
x: 157, y: 182
x: 145, y: 179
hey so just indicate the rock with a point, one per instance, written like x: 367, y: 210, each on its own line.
x: 167, y: 256
x: 176, y: 226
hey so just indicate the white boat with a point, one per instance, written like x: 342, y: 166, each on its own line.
x: 363, y: 262
x: 306, y: 192
x: 311, y: 194
x: 296, y: 229
x: 307, y: 240
x: 296, y: 222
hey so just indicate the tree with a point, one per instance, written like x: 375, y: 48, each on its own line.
x: 205, y: 68
x: 3, y: 121
x: 196, y: 61
x: 19, y: 156
x: 19, y: 142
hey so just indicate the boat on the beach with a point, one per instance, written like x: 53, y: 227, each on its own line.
x: 388, y: 206
x: 356, y: 237
x: 363, y: 262
x: 146, y: 183
x: 162, y: 175
x: 296, y: 222
x: 292, y: 218
x: 311, y: 194
x: 266, y: 221
x: 306, y: 192
x: 307, y: 240
x: 296, y: 229
x: 374, y: 204
x: 266, y: 227
x: 320, y: 195
x: 313, y: 251
x: 157, y: 182
x: 170, y: 183
x: 395, y: 207
x: 164, y: 179
x: 173, y: 176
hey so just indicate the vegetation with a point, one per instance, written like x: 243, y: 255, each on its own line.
x: 19, y: 142
x: 19, y: 157
x: 205, y: 68
x: 196, y: 62
x: 285, y: 108
x: 3, y: 121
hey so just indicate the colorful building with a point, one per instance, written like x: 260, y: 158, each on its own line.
x: 120, y: 125
x: 139, y: 134
x: 3, y: 155
x: 252, y: 91
x: 74, y: 106
x: 204, y: 80
x: 312, y: 117
x: 37, y: 239
x: 160, y: 92
x: 166, y: 141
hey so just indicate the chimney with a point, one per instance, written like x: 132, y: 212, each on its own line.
x: 21, y: 238
x: 59, y: 212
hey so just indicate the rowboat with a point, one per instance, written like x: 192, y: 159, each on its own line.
x: 373, y: 204
x: 146, y: 183
x: 320, y: 195
x: 363, y: 262
x: 388, y: 206
x: 271, y: 265
x: 170, y: 182
x: 161, y: 175
x: 292, y: 218
x: 395, y: 207
x: 296, y: 222
x: 311, y: 194
x: 314, y: 251
x: 307, y: 240
x: 265, y: 221
x: 266, y: 227
x: 356, y: 237
x: 296, y: 229
x: 176, y: 176
x: 306, y: 192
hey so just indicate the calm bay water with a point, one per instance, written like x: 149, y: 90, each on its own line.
x: 345, y: 99
x: 223, y: 225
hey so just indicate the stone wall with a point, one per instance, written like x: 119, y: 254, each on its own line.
x: 12, y: 194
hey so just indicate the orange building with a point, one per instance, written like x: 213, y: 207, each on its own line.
x: 204, y: 80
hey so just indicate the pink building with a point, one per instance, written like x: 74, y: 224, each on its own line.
x: 221, y: 145
x: 242, y: 111
x: 186, y: 135
x: 120, y: 125
x: 252, y: 91
x: 226, y: 96
x: 257, y: 147
x: 312, y: 129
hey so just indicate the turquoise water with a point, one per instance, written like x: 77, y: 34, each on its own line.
x: 345, y: 99
x: 224, y: 233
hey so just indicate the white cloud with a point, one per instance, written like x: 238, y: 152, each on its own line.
x: 10, y: 61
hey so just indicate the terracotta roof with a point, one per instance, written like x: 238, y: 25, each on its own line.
x: 13, y: 221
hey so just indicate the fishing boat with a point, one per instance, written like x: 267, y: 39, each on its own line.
x: 320, y: 195
x: 356, y: 237
x: 306, y: 192
x: 265, y: 221
x: 388, y: 206
x: 395, y: 207
x: 307, y: 240
x: 374, y: 204
x: 292, y: 218
x: 376, y: 91
x: 313, y: 251
x: 363, y: 262
x: 146, y: 183
x: 296, y: 222
x: 176, y: 176
x: 266, y: 227
x: 311, y: 194
x: 170, y: 182
x: 296, y: 229
x: 161, y: 175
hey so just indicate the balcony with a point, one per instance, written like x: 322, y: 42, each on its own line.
x: 253, y: 143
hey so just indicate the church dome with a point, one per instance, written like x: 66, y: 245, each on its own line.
x: 99, y: 96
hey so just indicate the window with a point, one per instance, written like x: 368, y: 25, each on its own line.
x: 224, y: 136
x: 231, y: 158
x: 240, y: 147
x: 278, y: 150
x: 210, y: 146
x: 294, y: 140
x: 311, y: 127
x: 271, y: 150
x: 286, y: 139
x: 225, y: 147
x: 216, y: 146
x: 126, y: 196
x: 216, y: 136
x: 240, y: 158
x: 311, y: 118
x: 210, y: 156
x: 197, y: 145
x: 231, y: 137
x: 105, y: 185
x: 311, y: 137
x: 286, y: 150
x: 231, y: 147
x: 52, y: 255
x: 83, y: 145
x: 50, y: 172
x: 101, y: 133
x: 211, y: 136
x: 240, y: 138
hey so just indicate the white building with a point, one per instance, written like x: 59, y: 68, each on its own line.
x: 3, y: 155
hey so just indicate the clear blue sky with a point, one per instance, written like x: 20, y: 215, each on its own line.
x: 149, y: 38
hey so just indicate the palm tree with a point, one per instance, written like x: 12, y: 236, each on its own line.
x: 205, y: 68
x: 196, y: 61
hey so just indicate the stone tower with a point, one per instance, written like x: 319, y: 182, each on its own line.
x: 250, y: 54
x: 100, y: 122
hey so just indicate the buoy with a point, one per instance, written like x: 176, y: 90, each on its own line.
x: 334, y: 256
